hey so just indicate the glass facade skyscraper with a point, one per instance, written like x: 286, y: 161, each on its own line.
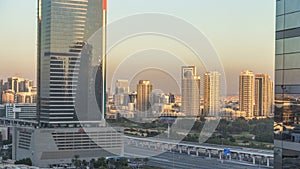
x: 287, y: 85
x: 64, y: 26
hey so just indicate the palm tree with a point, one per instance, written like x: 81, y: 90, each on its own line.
x: 76, y: 162
x: 146, y: 160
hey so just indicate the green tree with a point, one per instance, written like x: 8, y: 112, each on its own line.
x: 146, y: 160
x: 76, y: 162
x: 84, y: 163
x: 121, y: 163
x: 240, y: 125
x: 26, y: 161
x: 223, y: 127
x: 100, y: 163
x: 232, y: 139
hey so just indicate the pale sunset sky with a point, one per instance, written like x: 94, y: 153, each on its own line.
x: 242, y: 32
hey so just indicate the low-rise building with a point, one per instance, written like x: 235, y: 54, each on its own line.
x: 20, y: 111
x: 48, y: 147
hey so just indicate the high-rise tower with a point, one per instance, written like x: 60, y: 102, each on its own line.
x: 212, y: 93
x: 64, y: 26
x: 1, y: 90
x: 190, y: 91
x: 246, y: 92
x: 71, y: 85
x: 263, y: 95
x: 121, y: 96
x: 144, y: 89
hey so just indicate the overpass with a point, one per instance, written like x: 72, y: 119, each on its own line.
x: 9, y: 122
x: 209, y: 149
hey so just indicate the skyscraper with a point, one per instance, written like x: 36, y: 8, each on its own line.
x: 133, y: 98
x: 263, y: 95
x: 121, y: 97
x: 25, y: 85
x: 287, y: 85
x: 14, y: 83
x: 190, y: 91
x: 171, y: 98
x: 122, y: 86
x: 144, y: 89
x: 64, y: 26
x: 71, y: 81
x: 246, y: 92
x: 212, y: 93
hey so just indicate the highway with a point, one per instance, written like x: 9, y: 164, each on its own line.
x: 259, y: 152
x: 173, y: 160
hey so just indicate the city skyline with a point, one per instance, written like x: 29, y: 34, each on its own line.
x: 17, y: 89
x: 229, y: 54
x: 216, y: 48
x: 132, y: 86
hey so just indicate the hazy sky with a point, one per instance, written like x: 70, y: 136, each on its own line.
x: 242, y: 31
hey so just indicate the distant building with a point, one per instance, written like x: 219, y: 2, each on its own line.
x: 158, y: 96
x: 122, y: 86
x: 25, y: 85
x: 18, y: 84
x: 26, y: 97
x: 13, y: 83
x: 171, y: 98
x: 144, y: 89
x: 230, y: 114
x: 1, y: 90
x: 17, y: 90
x: 212, y: 93
x: 5, y: 86
x: 263, y: 95
x: 190, y: 91
x: 246, y: 92
x: 131, y: 107
x: 2, y: 110
x: 133, y: 98
x: 21, y: 111
x: 121, y: 97
x: 8, y: 96
x: 4, y: 133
